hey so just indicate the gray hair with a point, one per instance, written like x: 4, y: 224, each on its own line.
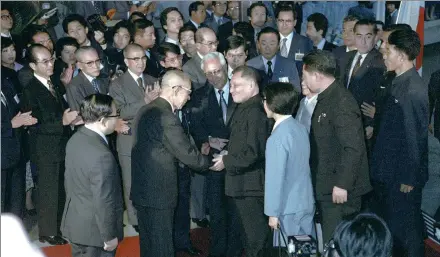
x: 211, y: 56
x: 83, y: 49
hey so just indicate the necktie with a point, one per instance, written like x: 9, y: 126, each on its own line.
x: 52, y: 89
x: 223, y: 105
x: 269, y: 69
x: 220, y: 21
x: 356, y: 67
x: 140, y: 83
x: 95, y: 85
x: 284, y: 48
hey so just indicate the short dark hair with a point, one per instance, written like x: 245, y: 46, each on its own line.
x: 366, y: 22
x: 166, y: 47
x: 30, y: 52
x: 33, y: 30
x: 319, y: 21
x: 234, y: 42
x: 71, y: 18
x: 65, y: 41
x: 268, y: 30
x: 398, y: 26
x: 350, y: 18
x: 377, y: 22
x: 254, y: 5
x: 164, y: 14
x: 365, y: 235
x: 122, y: 24
x: 367, y: 4
x: 285, y: 8
x: 281, y: 98
x: 139, y: 25
x: 187, y: 27
x: 247, y: 72
x: 194, y: 6
x: 395, y: 3
x: 246, y: 30
x: 7, y: 42
x: 139, y: 14
x: 406, y: 41
x: 320, y: 61
x: 95, y: 107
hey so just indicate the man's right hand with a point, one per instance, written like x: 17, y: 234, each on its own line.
x: 23, y: 119
x: 111, y: 245
x: 205, y: 148
x: 152, y: 92
x: 121, y: 126
x: 69, y: 116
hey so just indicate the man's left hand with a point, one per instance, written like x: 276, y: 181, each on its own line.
x: 406, y: 188
x: 218, y: 163
x: 339, y: 195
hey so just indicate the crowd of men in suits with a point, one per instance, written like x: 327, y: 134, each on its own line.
x: 161, y: 126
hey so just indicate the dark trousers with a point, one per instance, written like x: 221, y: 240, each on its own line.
x: 90, y: 251
x: 13, y: 190
x: 51, y: 197
x: 155, y: 231
x: 224, y: 221
x: 402, y: 213
x: 255, y: 225
x: 181, y: 215
x: 332, y: 214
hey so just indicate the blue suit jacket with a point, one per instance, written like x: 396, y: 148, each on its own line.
x: 288, y: 182
x: 302, y: 44
x: 283, y: 68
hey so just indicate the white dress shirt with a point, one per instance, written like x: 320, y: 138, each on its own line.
x: 305, y: 111
x: 230, y: 70
x: 43, y: 81
x: 288, y: 42
x: 225, y: 93
x: 321, y: 44
x: 170, y: 40
x: 355, y: 60
x: 135, y: 77
x: 274, y: 59
x: 96, y: 131
x: 278, y: 122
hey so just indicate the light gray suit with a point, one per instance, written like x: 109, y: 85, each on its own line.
x: 129, y: 98
x: 93, y: 211
x: 193, y: 69
x: 80, y: 87
x: 288, y: 192
x: 283, y: 68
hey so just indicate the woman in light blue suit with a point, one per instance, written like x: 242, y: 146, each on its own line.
x: 288, y: 194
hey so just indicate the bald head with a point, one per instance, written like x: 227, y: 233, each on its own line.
x: 81, y: 52
x: 130, y: 48
x: 174, y: 78
x: 206, y: 41
x: 203, y: 33
x: 88, y: 61
x: 176, y: 88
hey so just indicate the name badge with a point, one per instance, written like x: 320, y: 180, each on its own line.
x: 16, y: 99
x: 299, y: 56
x: 284, y: 79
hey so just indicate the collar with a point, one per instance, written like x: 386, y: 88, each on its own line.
x: 88, y: 44
x: 170, y: 40
x: 273, y: 60
x: 6, y: 35
x: 391, y: 14
x: 96, y: 131
x: 17, y: 66
x: 311, y: 99
x: 200, y: 56
x: 328, y: 90
x: 42, y: 80
x: 289, y: 37
x: 256, y: 99
x: 195, y: 23
x: 280, y: 120
x: 89, y: 78
x: 225, y: 89
x: 356, y: 57
x: 230, y: 70
x: 134, y: 76
x: 321, y: 44
x: 404, y: 76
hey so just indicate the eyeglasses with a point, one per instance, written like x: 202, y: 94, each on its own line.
x: 46, y: 62
x: 175, y: 59
x: 6, y: 16
x: 220, y: 4
x: 210, y: 44
x: 285, y: 21
x: 91, y: 63
x: 236, y: 8
x: 213, y: 73
x: 184, y: 88
x: 113, y: 116
x: 136, y: 59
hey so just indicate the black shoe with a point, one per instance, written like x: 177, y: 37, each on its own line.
x: 204, y: 223
x: 53, y: 240
x: 136, y: 227
x: 31, y: 212
x: 192, y: 251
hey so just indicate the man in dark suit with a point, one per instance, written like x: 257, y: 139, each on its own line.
x: 340, y: 52
x: 434, y: 101
x: 171, y: 20
x: 187, y: 35
x: 87, y: 82
x: 218, y: 16
x: 244, y: 162
x: 213, y: 109
x: 6, y: 27
x: 399, y: 163
x: 292, y: 45
x: 317, y: 25
x: 159, y: 144
x: 47, y: 141
x: 197, y: 14
x: 225, y: 30
x: 131, y: 91
x: 92, y: 218
x: 338, y: 158
x: 365, y: 71
x: 276, y: 67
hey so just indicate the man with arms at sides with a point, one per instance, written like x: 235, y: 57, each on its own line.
x: 47, y: 141
x: 206, y: 42
x: 257, y: 15
x: 340, y: 52
x: 187, y: 41
x: 213, y: 109
x: 399, y: 165
x: 142, y: 33
x: 276, y: 67
x: 92, y: 219
x: 5, y: 29
x: 244, y: 163
x: 338, y: 158
x: 87, y: 82
x: 317, y: 25
x: 159, y: 144
x: 172, y: 21
x: 218, y: 18
x: 292, y: 45
x: 197, y: 14
x: 131, y: 91
x: 225, y: 30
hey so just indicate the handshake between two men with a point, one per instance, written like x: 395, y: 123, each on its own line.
x: 217, y: 144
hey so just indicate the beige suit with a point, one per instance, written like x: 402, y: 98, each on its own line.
x: 192, y: 68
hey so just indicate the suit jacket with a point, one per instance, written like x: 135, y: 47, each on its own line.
x: 284, y: 67
x: 244, y: 163
x: 338, y: 153
x: 341, y: 56
x: 11, y: 143
x: 328, y: 46
x: 400, y: 154
x: 224, y: 31
x: 434, y: 101
x: 207, y: 117
x: 47, y: 138
x: 288, y: 184
x: 80, y: 87
x: 192, y: 68
x: 129, y: 99
x: 299, y: 43
x: 365, y: 83
x: 93, y: 210
x: 212, y: 23
x: 189, y: 23
x: 159, y: 144
x: 153, y: 67
x: 86, y: 8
